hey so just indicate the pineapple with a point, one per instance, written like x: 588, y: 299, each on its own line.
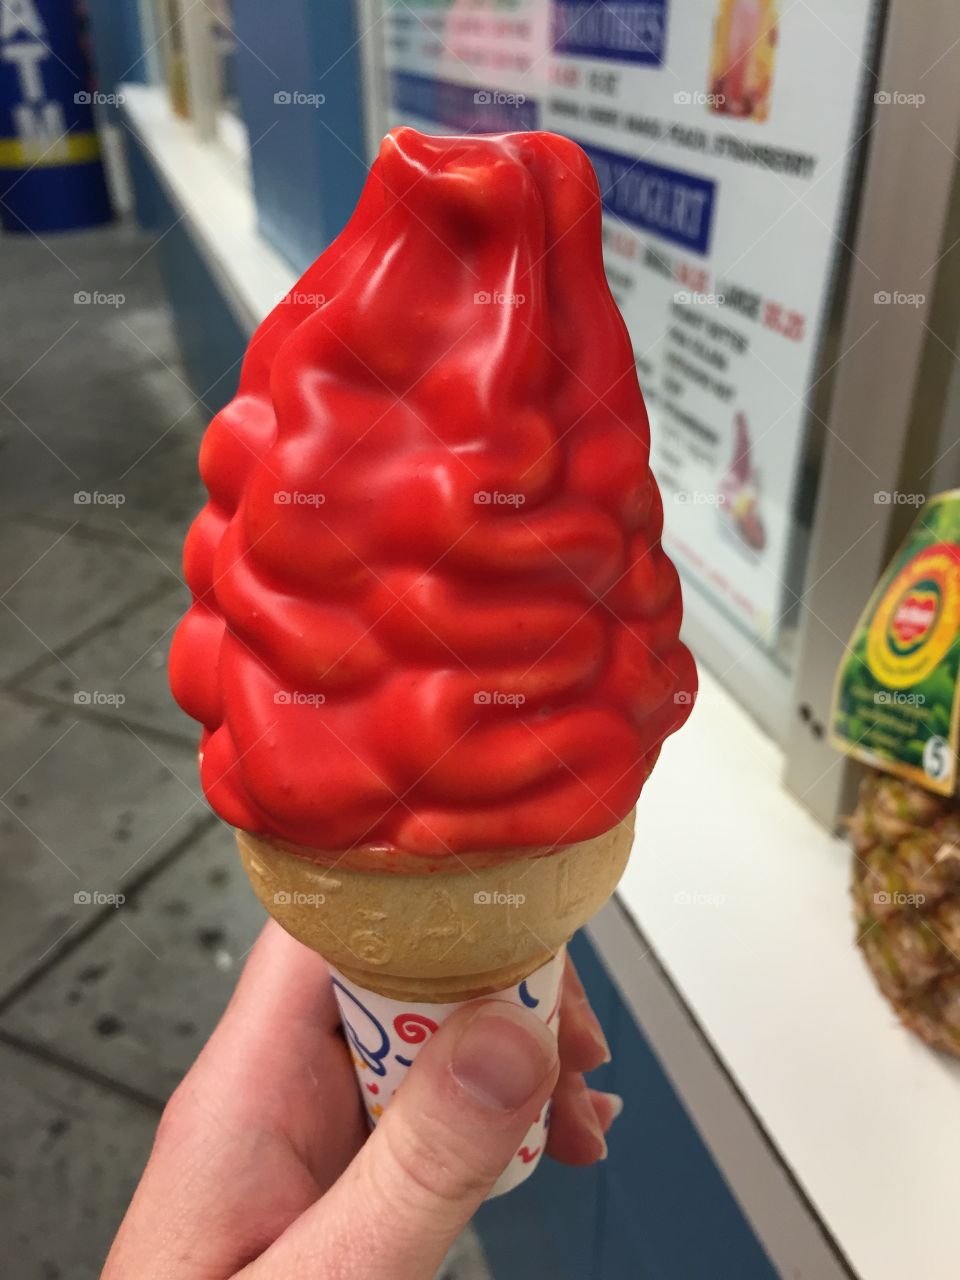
x: 906, y: 891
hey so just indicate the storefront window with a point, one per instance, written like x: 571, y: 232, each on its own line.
x: 197, y: 50
x: 725, y: 137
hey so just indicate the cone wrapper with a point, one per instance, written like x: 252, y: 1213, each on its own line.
x: 385, y: 1035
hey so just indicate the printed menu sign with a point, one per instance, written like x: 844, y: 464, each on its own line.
x: 723, y: 133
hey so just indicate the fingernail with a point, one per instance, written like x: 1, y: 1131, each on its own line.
x: 600, y: 1040
x: 503, y: 1055
x: 614, y: 1102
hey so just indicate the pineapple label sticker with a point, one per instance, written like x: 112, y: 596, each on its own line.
x: 895, y: 703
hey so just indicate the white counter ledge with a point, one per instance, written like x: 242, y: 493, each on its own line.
x: 210, y: 186
x: 743, y: 899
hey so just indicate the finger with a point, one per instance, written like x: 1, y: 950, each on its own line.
x: 606, y: 1106
x: 227, y: 1173
x: 282, y: 1014
x: 583, y: 1046
x: 450, y: 1131
x: 277, y: 1061
x: 576, y: 1133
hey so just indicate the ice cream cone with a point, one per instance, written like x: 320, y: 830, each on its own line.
x: 387, y: 622
x: 464, y: 928
x: 408, y: 948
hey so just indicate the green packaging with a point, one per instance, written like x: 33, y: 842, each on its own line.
x: 895, y: 702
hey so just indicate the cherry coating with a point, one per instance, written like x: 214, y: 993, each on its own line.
x: 430, y: 610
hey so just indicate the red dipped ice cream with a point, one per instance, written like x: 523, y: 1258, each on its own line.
x: 431, y: 611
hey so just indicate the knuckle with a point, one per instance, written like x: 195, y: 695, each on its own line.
x: 432, y: 1164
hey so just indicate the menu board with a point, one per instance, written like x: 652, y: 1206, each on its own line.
x: 723, y: 134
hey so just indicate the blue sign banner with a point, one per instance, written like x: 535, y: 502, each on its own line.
x: 463, y: 108
x: 668, y: 202
x: 625, y: 30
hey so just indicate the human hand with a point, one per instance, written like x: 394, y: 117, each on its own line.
x: 262, y: 1167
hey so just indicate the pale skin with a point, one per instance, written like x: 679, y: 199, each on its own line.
x: 262, y: 1167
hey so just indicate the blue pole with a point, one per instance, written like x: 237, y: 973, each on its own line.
x: 51, y: 176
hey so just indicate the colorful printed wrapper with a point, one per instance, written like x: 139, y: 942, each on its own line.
x: 385, y: 1036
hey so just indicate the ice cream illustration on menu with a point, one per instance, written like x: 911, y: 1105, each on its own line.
x: 744, y: 46
x: 433, y: 645
x: 740, y: 491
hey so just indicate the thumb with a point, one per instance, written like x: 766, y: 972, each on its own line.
x: 450, y: 1131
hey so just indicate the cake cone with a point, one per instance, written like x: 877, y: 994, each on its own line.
x: 466, y: 927
x: 407, y: 949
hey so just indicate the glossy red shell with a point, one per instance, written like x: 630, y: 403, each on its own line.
x: 431, y: 610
